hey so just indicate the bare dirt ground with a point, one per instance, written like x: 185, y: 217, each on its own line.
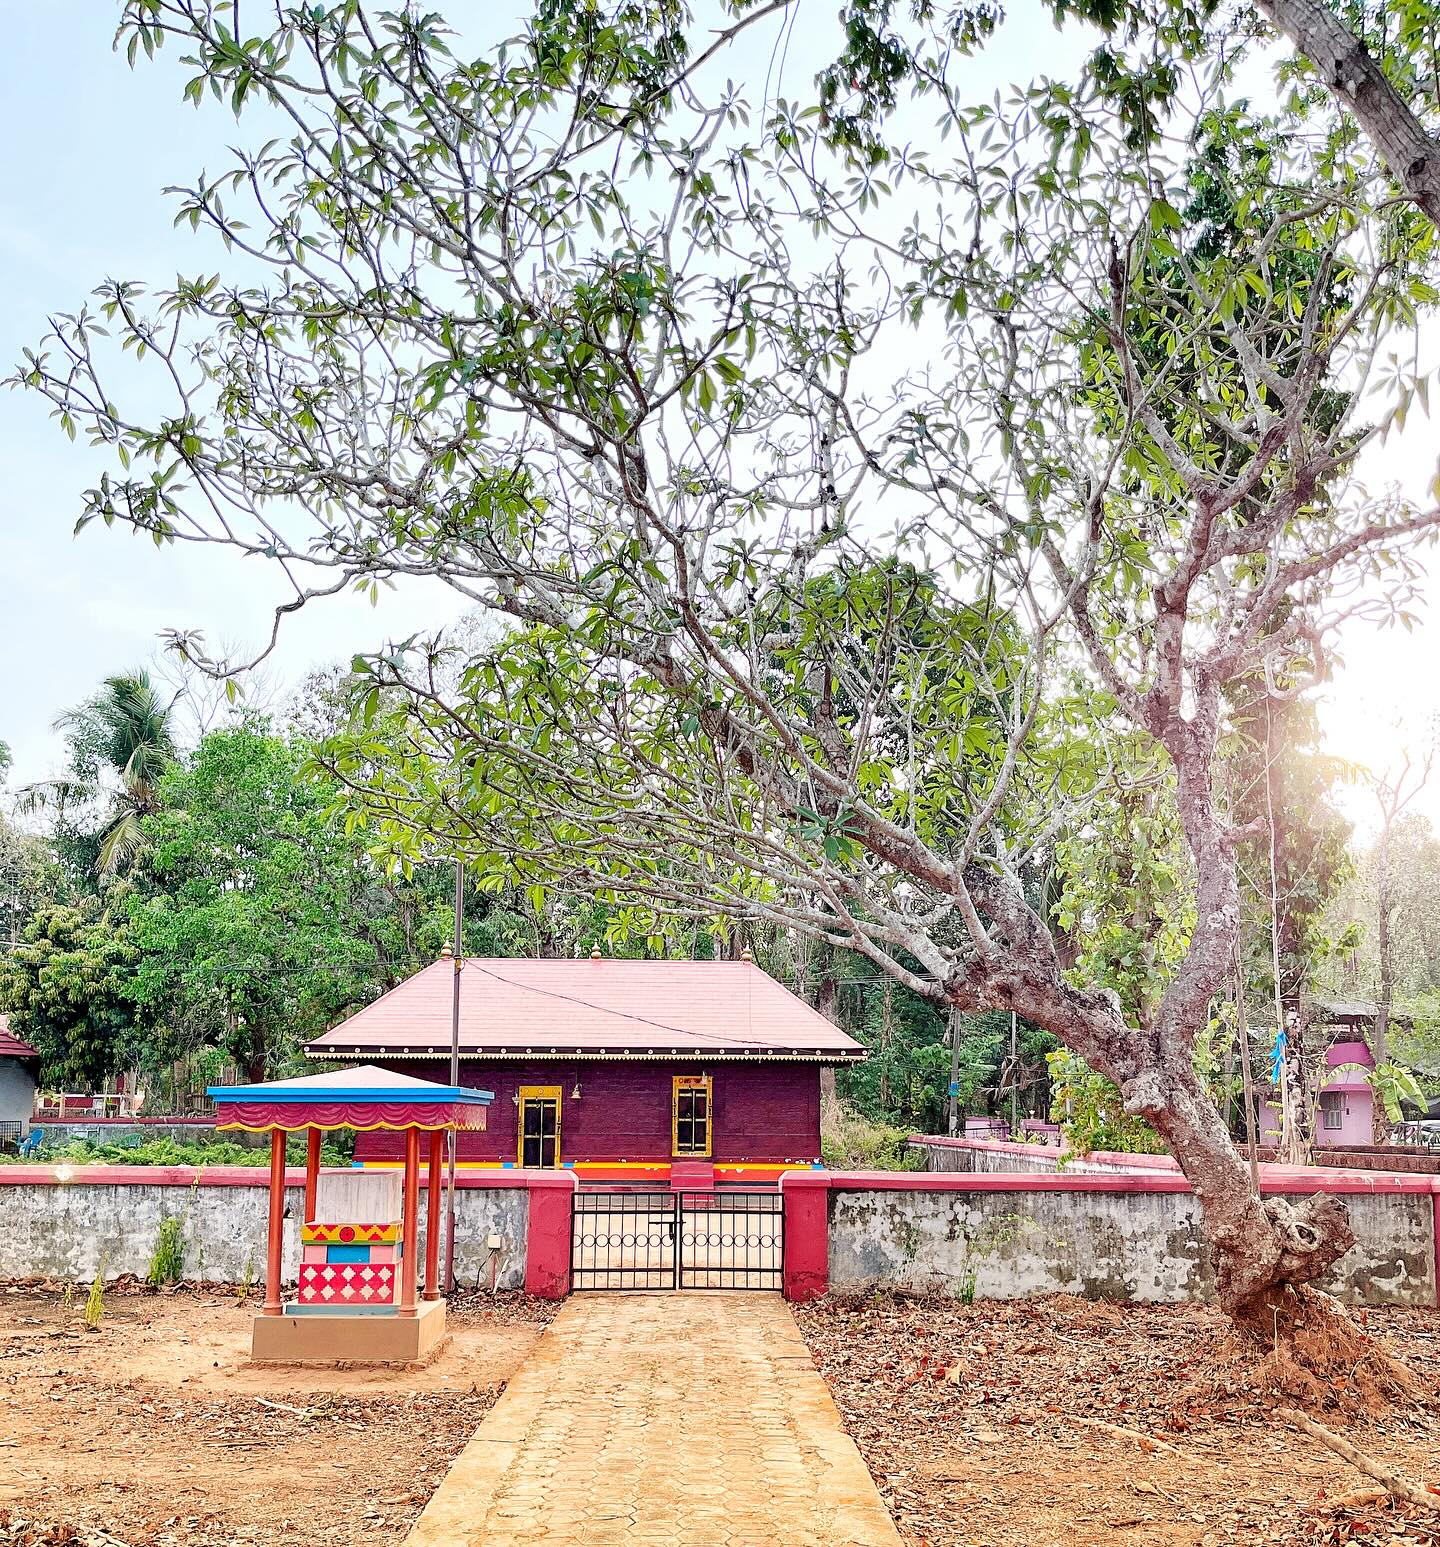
x: 971, y: 1421
x: 153, y: 1431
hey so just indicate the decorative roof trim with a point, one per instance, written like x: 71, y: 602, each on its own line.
x: 647, y: 1056
x: 222, y: 1095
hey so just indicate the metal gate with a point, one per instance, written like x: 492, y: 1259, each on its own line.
x: 677, y: 1240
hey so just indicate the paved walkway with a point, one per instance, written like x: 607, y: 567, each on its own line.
x: 686, y: 1419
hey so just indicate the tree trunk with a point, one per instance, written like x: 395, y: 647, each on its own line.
x: 827, y: 998
x: 255, y: 1060
x: 1260, y: 1249
x: 1257, y: 1246
x: 1242, y: 1027
x: 1380, y: 1042
x: 1297, y: 1117
x: 1346, y: 66
x: 884, y: 1092
x: 1263, y: 1251
x: 827, y: 1003
x: 952, y: 1096
x: 1227, y: 1077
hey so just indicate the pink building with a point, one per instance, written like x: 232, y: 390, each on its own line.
x: 1346, y: 1112
x: 1347, y: 1104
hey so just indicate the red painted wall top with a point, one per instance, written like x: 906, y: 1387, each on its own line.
x: 762, y: 1112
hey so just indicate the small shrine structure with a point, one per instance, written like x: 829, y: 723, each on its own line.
x: 358, y: 1295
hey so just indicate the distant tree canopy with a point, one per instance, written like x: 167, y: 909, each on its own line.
x: 70, y: 988
x: 118, y: 743
x: 259, y: 907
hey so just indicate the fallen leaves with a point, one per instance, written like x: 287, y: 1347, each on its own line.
x: 100, y: 1454
x: 1062, y: 1423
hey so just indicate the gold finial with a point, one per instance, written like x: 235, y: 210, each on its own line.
x: 746, y: 955
x: 594, y: 953
x: 445, y: 952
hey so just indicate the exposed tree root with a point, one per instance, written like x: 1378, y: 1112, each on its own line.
x: 1393, y: 1483
x: 1120, y: 1432
x: 1317, y: 1356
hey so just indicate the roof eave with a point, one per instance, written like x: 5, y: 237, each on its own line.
x: 611, y: 1055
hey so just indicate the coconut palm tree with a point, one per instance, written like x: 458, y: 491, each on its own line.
x: 120, y: 741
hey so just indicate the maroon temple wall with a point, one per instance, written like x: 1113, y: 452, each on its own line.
x: 763, y: 1111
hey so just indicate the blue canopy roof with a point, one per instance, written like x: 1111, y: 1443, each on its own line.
x: 367, y: 1083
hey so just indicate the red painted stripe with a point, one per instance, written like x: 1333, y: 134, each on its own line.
x: 233, y: 1176
x: 1435, y: 1231
x: 1275, y: 1180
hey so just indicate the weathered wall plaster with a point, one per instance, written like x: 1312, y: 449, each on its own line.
x: 1104, y: 1245
x: 74, y: 1230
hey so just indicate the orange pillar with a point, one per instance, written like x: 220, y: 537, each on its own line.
x: 411, y: 1234
x: 276, y: 1236
x: 312, y: 1173
x: 432, y: 1218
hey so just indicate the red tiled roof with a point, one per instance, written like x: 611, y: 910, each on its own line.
x: 514, y: 1006
x: 10, y: 1045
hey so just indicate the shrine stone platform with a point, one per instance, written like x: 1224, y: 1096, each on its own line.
x: 308, y: 1337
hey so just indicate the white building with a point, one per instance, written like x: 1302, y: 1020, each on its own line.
x: 19, y: 1071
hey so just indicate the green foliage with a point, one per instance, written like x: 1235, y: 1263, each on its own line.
x: 30, y: 877
x: 119, y: 742
x: 337, y: 1150
x: 1280, y: 777
x: 1126, y: 897
x: 1091, y: 1113
x: 905, y: 1080
x: 1391, y: 1083
x: 929, y: 678
x: 852, y: 1142
x: 70, y: 988
x: 1100, y: 398
x: 167, y: 1261
x: 1417, y: 1045
x: 259, y: 907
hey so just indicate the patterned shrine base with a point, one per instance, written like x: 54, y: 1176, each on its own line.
x: 344, y: 1284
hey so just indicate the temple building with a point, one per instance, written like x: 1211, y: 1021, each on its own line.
x: 620, y: 1069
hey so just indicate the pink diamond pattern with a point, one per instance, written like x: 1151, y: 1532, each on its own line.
x: 347, y: 1283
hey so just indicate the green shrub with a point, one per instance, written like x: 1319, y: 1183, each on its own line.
x: 202, y: 1152
x: 1091, y: 1112
x: 852, y: 1142
x: 95, y: 1300
x: 167, y: 1262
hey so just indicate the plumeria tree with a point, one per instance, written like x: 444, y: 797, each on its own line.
x: 854, y: 505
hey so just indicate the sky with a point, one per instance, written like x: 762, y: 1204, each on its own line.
x: 92, y: 145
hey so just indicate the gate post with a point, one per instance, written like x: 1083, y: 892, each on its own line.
x: 806, y: 1198
x: 548, y: 1232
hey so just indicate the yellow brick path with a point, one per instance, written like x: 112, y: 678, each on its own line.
x: 662, y: 1420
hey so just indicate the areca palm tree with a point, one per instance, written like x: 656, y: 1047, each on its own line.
x: 121, y: 740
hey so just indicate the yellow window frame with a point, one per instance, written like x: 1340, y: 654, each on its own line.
x: 537, y: 1093
x: 681, y: 1082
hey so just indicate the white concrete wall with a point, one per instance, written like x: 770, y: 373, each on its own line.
x: 71, y: 1231
x: 1103, y: 1245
